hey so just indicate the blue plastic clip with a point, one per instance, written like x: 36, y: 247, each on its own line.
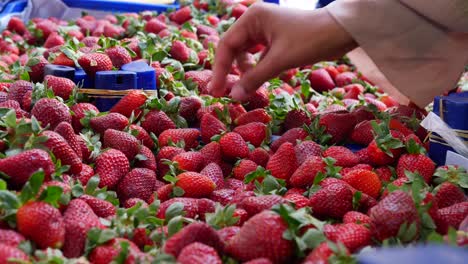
x: 146, y: 76
x: 82, y: 79
x: 60, y: 71
x: 112, y: 81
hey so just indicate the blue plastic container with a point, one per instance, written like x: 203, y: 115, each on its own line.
x: 323, y: 3
x: 60, y: 71
x: 112, y: 80
x: 146, y: 76
x: 82, y: 79
x: 453, y: 109
x: 118, y: 6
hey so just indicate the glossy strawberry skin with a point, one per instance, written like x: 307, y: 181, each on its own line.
x: 11, y: 237
x: 94, y: 62
x: 119, y: 56
x: 304, y: 175
x: 333, y: 200
x: 62, y: 87
x: 149, y: 161
x: 78, y: 112
x: 210, y: 126
x: 188, y: 135
x: 291, y: 136
x: 62, y: 151
x: 364, y: 180
x: 111, y: 166
x: 8, y: 252
x: 65, y: 130
x: 283, y: 163
x: 233, y: 146
x: 51, y: 112
x: 195, y: 185
x: 254, y: 133
x: 418, y: 163
x: 256, y: 204
x: 215, y: 173
x: 257, y: 115
x: 130, y: 103
x: 110, y: 121
x: 122, y: 141
x: 342, y: 155
x: 448, y: 194
x: 101, y: 208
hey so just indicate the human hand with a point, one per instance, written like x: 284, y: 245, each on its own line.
x: 292, y: 38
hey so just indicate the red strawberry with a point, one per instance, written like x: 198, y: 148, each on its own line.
x: 320, y: 80
x: 353, y: 236
x: 296, y: 118
x: 15, y: 24
x: 62, y: 59
x: 47, y: 27
x: 357, y: 167
x: 307, y: 149
x: 416, y: 163
x: 11, y: 238
x: 155, y: 26
x: 133, y: 202
x: 390, y: 213
x: 356, y: 217
x: 119, y: 56
x: 94, y: 62
x: 304, y: 175
x: 292, y: 136
x: 345, y: 78
x: 110, y: 121
x: 214, y: 172
x: 211, y: 126
x: 283, y: 163
x: 365, y: 181
x: 62, y: 87
x: 321, y: 254
x: 243, y: 168
x: 11, y: 104
x: 111, y: 166
x: 65, y: 130
x: 188, y: 108
x: 149, y: 161
x: 201, y: 78
x: 156, y: 122
x: 51, y: 112
x: 362, y: 133
x: 142, y: 135
x: 257, y: 115
x: 111, y: 250
x: 256, y: 204
x: 333, y: 200
x: 130, y: 103
x: 8, y: 253
x: 78, y: 112
x: 101, y: 208
x: 195, y: 232
x: 62, y: 151
x: 195, y: 185
x: 53, y: 40
x: 198, y: 253
x: 451, y: 216
x: 122, y: 141
x: 222, y: 196
x: 180, y: 51
x: 166, y: 153
x: 236, y: 110
x: 86, y: 173
x: 260, y: 156
x: 238, y: 10
x: 181, y: 16
x: 190, y: 161
x: 342, y: 155
x: 254, y: 133
x: 36, y: 72
x: 188, y: 135
x: 379, y: 157
x: 298, y: 200
x: 190, y: 207
x: 42, y: 223
x: 138, y: 183
x: 18, y: 89
x: 21, y: 166
x: 338, y: 125
x: 385, y: 174
x: 448, y: 194
x: 264, y: 233
x: 233, y: 146
x: 212, y: 152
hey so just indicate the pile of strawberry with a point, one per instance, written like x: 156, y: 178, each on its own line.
x: 316, y: 166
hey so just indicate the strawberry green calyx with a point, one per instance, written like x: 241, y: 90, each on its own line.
x: 384, y: 139
x: 222, y: 217
x: 453, y: 174
x: 318, y: 132
x: 265, y: 183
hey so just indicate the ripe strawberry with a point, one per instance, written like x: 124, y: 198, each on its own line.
x: 11, y: 238
x: 62, y: 59
x: 256, y: 204
x: 180, y: 51
x: 149, y: 161
x: 345, y: 78
x: 11, y: 104
x: 353, y: 236
x: 385, y: 174
x: 320, y: 80
x: 18, y: 89
x: 283, y: 163
x: 86, y: 173
x: 36, y: 72
x: 21, y: 166
x: 155, y: 26
x: 190, y: 207
x: 448, y: 194
x: 292, y: 136
x: 296, y: 118
x: 42, y: 223
x: 78, y: 112
x: 321, y: 254
x: 79, y: 218
x: 134, y: 201
x: 345, y: 171
x: 164, y: 192
x: 304, y: 175
x: 51, y: 112
x: 94, y: 62
x: 110, y: 121
x: 166, y: 153
x: 233, y: 146
x: 188, y: 108
x: 211, y: 126
x: 333, y: 200
x: 47, y: 27
x: 214, y: 172
x: 101, y: 208
x: 254, y: 133
x: 306, y: 150
x: 342, y: 155
x: 190, y: 161
x: 212, y: 152
x: 338, y: 125
x: 195, y: 185
x: 356, y: 217
x: 363, y: 155
x: 222, y: 196
x: 188, y: 135
x: 238, y: 10
x: 195, y: 232
x: 451, y: 216
x: 257, y: 115
x: 111, y: 250
x: 416, y: 163
x: 198, y: 253
x: 122, y: 141
x: 119, y: 56
x: 201, y: 79
x: 379, y: 157
x: 130, y: 103
x: 53, y: 40
x: 390, y: 213
x: 260, y: 156
x: 242, y: 168
x: 156, y: 122
x: 9, y: 253
x: 138, y: 183
x: 141, y: 135
x: 362, y: 133
x: 62, y: 151
x: 365, y: 181
x: 111, y: 166
x: 15, y: 24
x: 181, y: 16
x: 264, y: 233
x: 61, y: 87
